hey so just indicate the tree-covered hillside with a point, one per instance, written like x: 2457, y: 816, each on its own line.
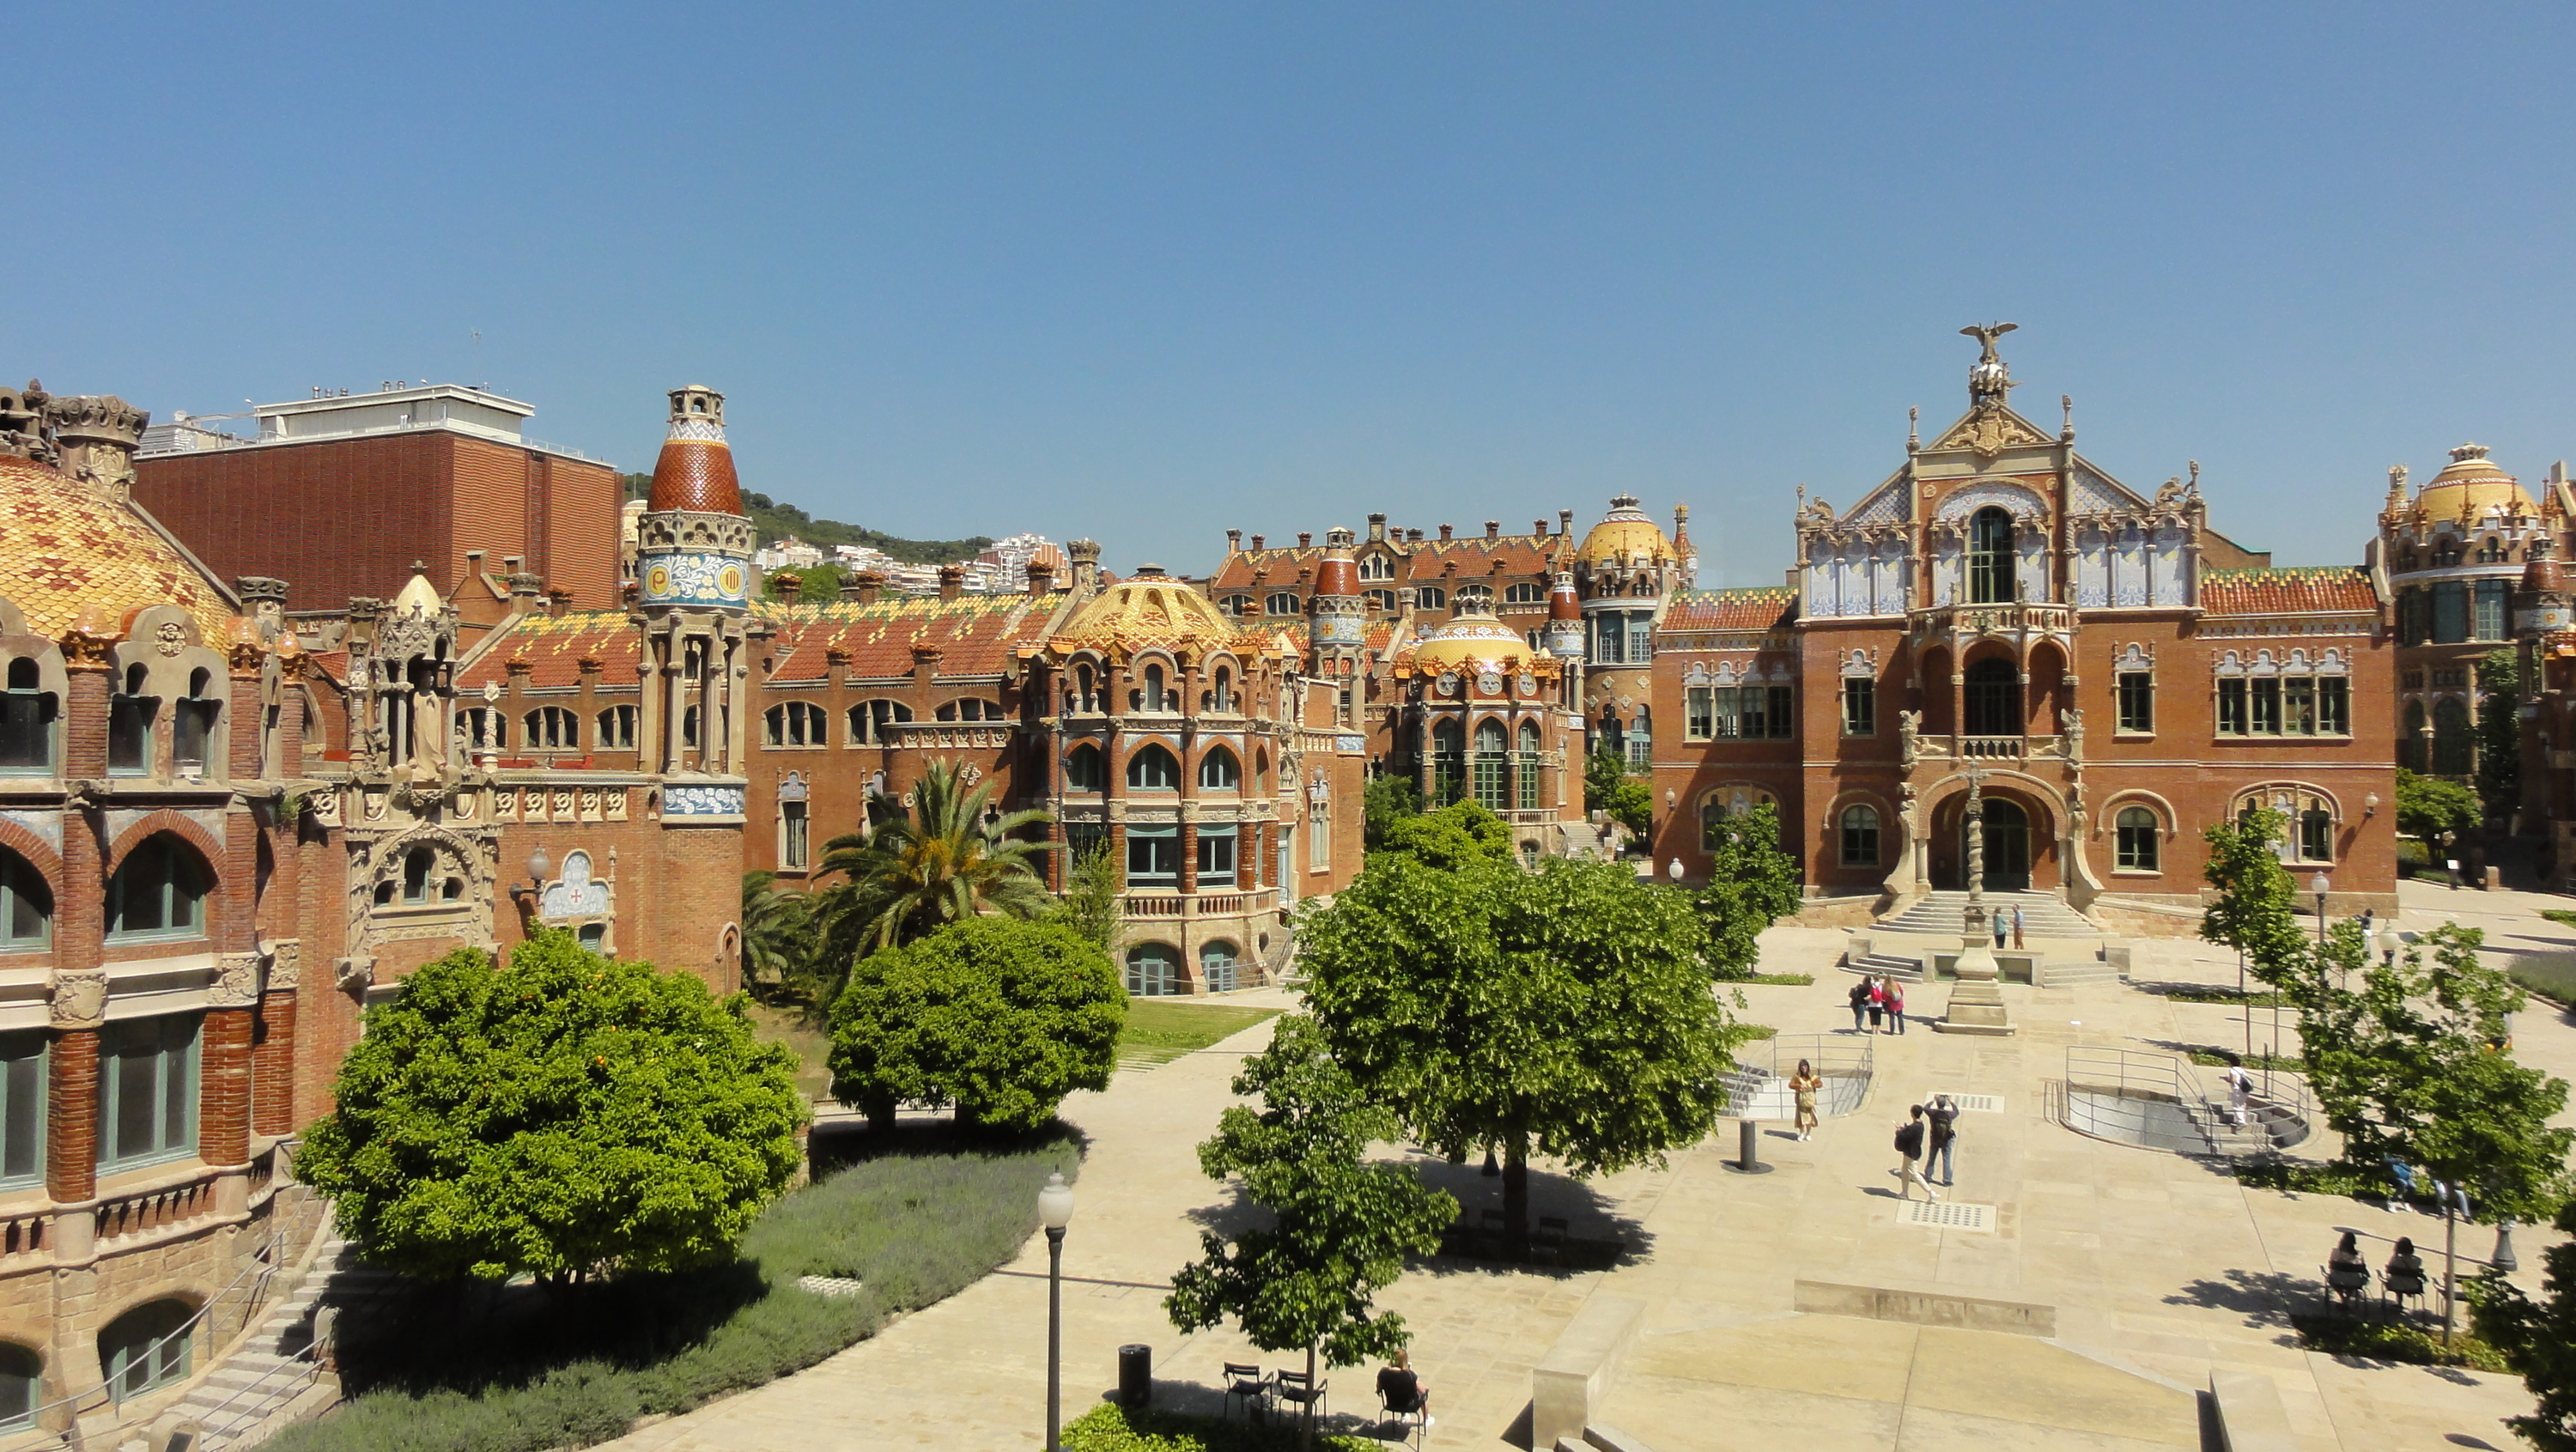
x: 773, y: 519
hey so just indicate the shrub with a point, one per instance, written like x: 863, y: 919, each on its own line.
x: 1114, y: 1428
x: 2394, y: 1341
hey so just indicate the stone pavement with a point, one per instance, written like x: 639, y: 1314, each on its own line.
x: 2159, y: 1269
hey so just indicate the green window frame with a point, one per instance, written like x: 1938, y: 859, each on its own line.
x: 159, y: 891
x: 2334, y: 705
x: 1154, y: 857
x: 2233, y: 713
x: 2137, y: 702
x: 147, y: 1348
x: 22, y: 1112
x: 1216, y: 855
x: 147, y: 1090
x: 26, y: 906
x: 1860, y: 706
x: 2137, y: 840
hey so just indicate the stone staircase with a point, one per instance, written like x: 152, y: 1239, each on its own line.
x: 2077, y: 971
x: 1944, y: 914
x: 1905, y: 969
x: 238, y: 1404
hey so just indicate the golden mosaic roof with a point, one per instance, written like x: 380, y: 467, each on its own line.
x: 1625, y: 530
x: 1145, y: 611
x: 2469, y: 485
x: 66, y: 545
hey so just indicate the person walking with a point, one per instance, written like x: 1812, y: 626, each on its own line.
x: 1896, y: 1006
x: 1909, y: 1150
x: 2017, y: 943
x: 1804, y: 1084
x: 2240, y: 1094
x: 2404, y: 1174
x: 1943, y: 1120
x: 1859, y: 996
x: 1877, y: 1001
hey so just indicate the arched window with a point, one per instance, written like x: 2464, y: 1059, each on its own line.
x: 872, y: 723
x: 1475, y: 595
x: 793, y: 723
x: 1432, y: 597
x: 1086, y: 690
x: 1528, y: 766
x: 26, y: 721
x: 1153, y: 970
x: 1282, y: 602
x: 969, y: 709
x: 1379, y: 599
x: 129, y: 725
x: 1448, y: 761
x: 1860, y: 835
x: 192, y: 725
x: 1153, y: 769
x: 1216, y: 966
x: 2316, y: 835
x: 417, y: 864
x: 1154, y: 697
x: 2451, y: 737
x: 1491, y: 744
x: 158, y: 891
x: 26, y: 906
x: 1377, y: 567
x: 1990, y: 557
x: 22, y: 1377
x: 1994, y: 698
x: 481, y: 728
x: 1222, y: 698
x: 552, y: 728
x: 1082, y: 769
x: 146, y: 1348
x: 2138, y: 840
x: 1219, y: 771
x: 617, y: 729
x: 1525, y: 593
x: 1237, y: 605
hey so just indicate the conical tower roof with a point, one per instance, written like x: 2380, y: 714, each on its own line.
x: 695, y: 471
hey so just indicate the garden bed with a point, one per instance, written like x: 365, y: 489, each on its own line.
x: 2387, y: 1340
x: 914, y: 1218
x: 1113, y: 1428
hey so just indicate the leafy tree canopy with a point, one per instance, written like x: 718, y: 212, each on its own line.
x: 1340, y: 1225
x: 1564, y: 1011
x: 1608, y: 788
x: 2428, y: 806
x: 939, y: 863
x: 2255, y: 892
x: 1092, y: 904
x: 2500, y: 731
x: 1389, y: 798
x: 1751, y: 885
x: 2539, y: 1341
x: 565, y: 1116
x: 777, y: 932
x: 1000, y: 1016
x: 1462, y: 834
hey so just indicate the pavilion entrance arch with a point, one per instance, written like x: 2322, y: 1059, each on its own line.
x: 2025, y: 826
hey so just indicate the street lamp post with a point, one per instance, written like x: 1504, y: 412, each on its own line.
x: 2389, y: 943
x: 1055, y: 1212
x: 2318, y: 885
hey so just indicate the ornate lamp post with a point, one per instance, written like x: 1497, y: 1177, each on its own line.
x: 1055, y: 1212
x: 1976, y: 1003
x: 2389, y: 943
x: 529, y: 897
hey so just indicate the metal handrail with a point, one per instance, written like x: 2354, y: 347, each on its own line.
x: 2135, y: 1080
x: 1758, y: 1086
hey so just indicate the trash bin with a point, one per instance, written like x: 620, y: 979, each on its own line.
x: 1135, y: 1375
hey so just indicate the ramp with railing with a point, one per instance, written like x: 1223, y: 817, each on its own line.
x: 2161, y: 1101
x: 1759, y: 1086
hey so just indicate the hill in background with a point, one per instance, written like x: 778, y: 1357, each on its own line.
x: 771, y: 519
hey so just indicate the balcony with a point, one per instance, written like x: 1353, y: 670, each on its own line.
x: 1989, y: 748
x: 1227, y: 904
x: 2013, y: 617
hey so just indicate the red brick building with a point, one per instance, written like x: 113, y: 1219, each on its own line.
x: 2119, y: 673
x: 344, y: 495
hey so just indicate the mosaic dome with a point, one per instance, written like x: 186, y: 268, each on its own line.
x: 1472, y: 643
x: 2470, y: 485
x: 1625, y: 530
x: 1150, y: 609
x: 66, y: 545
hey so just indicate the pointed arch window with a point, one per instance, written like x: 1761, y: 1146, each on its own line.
x: 553, y: 728
x: 1083, y: 771
x: 1527, y: 766
x: 1153, y: 768
x: 1448, y: 762
x: 159, y: 891
x: 1219, y: 771
x: 616, y: 729
x: 872, y: 723
x: 793, y: 723
x: 1491, y: 762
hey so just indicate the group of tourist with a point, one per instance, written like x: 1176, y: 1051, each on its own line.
x: 2446, y: 1196
x: 1927, y: 1138
x: 2348, y: 1274
x: 1875, y: 1000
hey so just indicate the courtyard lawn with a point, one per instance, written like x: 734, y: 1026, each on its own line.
x: 806, y: 1036
x: 1160, y: 1030
x: 2550, y: 975
x: 913, y: 1219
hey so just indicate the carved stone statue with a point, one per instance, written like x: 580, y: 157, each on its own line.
x: 1909, y: 724
x: 2070, y: 722
x: 1990, y: 379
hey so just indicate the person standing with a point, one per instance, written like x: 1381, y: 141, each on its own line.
x: 2240, y: 1094
x: 2017, y: 942
x: 1909, y: 1151
x: 2404, y: 1174
x: 1943, y: 1118
x: 1804, y: 1084
x: 1877, y: 1001
x: 1895, y: 1006
x: 1859, y: 1003
x: 2003, y: 927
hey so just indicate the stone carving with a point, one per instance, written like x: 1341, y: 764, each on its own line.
x: 1990, y: 378
x: 236, y: 982
x: 2070, y: 722
x: 285, y: 965
x: 1909, y: 725
x: 356, y: 975
x: 80, y: 998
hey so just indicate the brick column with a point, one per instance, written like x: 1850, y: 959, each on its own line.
x: 1189, y: 856
x: 79, y: 982
x: 1266, y: 866
x: 1247, y: 869
x: 272, y: 1054
x: 223, y: 1095
x: 244, y: 716
x: 71, y: 1115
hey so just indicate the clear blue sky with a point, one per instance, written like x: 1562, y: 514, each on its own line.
x: 1147, y: 272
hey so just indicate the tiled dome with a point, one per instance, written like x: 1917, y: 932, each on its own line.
x: 1474, y: 641
x: 695, y: 471
x: 66, y: 545
x: 1151, y: 609
x: 2470, y: 485
x: 1625, y: 530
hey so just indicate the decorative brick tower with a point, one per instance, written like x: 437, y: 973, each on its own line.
x: 1565, y: 635
x: 1337, y: 618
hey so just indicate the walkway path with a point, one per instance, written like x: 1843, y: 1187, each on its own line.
x: 2160, y: 1270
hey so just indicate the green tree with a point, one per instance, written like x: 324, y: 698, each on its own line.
x: 2428, y: 806
x: 1001, y: 1017
x: 777, y: 931
x: 1340, y: 1226
x: 1608, y: 788
x: 1458, y: 835
x: 565, y: 1117
x: 1092, y: 903
x: 2500, y: 732
x: 942, y: 862
x: 2539, y: 1340
x: 1564, y: 1012
x: 2411, y: 1063
x: 1388, y: 799
x: 2252, y: 912
x: 1751, y: 885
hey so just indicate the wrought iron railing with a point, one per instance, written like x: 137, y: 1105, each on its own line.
x: 1758, y: 1088
x: 2135, y: 1097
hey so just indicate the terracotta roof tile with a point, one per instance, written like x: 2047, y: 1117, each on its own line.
x: 1753, y: 609
x: 554, y: 647
x: 1423, y: 563
x: 2309, y: 591
x: 977, y: 635
x: 66, y: 545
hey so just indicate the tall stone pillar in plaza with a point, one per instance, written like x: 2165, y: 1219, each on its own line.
x: 1976, y: 999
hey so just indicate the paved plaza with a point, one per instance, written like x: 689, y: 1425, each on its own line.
x: 2160, y: 1271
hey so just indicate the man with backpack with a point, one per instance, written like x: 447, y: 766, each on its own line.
x: 1909, y: 1148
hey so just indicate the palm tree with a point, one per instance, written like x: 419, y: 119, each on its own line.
x: 941, y: 863
x: 777, y: 930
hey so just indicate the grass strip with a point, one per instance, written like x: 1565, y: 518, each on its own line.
x: 479, y: 1368
x: 1158, y: 1032
x: 2375, y: 1340
x: 1782, y: 980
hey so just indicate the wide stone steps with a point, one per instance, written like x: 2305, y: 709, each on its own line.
x: 2077, y: 972
x: 1944, y: 914
x: 234, y: 1404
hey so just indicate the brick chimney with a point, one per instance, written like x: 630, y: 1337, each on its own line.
x: 1258, y: 541
x: 1305, y: 539
x: 524, y: 587
x: 1493, y: 529
x: 1041, y: 576
x: 1539, y: 527
x: 1444, y: 534
x: 1234, y: 541
x: 864, y: 587
x: 1377, y: 526
x: 557, y: 602
x: 952, y: 581
x: 1565, y: 521
x: 786, y: 587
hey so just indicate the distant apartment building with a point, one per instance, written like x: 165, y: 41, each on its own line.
x: 340, y: 495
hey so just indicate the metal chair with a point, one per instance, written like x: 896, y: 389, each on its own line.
x: 1249, y: 1383
x: 2346, y: 1287
x: 1414, y: 1416
x: 2403, y: 1288
x: 1298, y: 1390
x: 1490, y: 1236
